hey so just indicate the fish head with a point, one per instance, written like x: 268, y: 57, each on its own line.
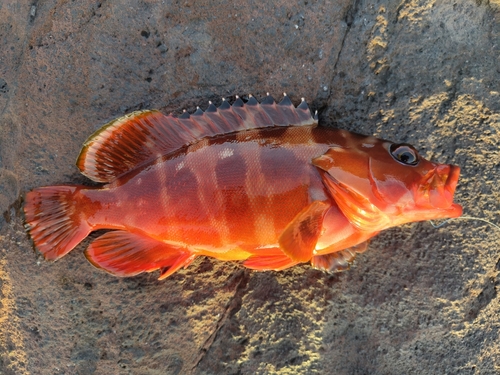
x: 379, y: 184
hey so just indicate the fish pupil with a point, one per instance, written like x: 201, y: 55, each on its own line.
x: 404, y: 154
x: 406, y: 157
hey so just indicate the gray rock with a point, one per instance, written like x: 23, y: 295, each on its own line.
x: 419, y: 301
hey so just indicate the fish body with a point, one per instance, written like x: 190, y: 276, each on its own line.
x: 257, y: 182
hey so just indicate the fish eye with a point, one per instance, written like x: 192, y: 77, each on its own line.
x: 403, y: 153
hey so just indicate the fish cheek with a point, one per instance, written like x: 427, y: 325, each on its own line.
x: 393, y: 184
x: 339, y: 159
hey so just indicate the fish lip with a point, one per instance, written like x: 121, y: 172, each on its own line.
x: 452, y: 181
x: 439, y: 189
x: 455, y: 210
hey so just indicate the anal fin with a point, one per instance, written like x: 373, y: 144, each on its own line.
x: 182, y: 261
x: 123, y: 253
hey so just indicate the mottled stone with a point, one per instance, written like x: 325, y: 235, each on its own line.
x: 420, y: 300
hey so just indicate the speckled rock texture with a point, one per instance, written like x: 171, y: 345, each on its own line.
x: 420, y: 301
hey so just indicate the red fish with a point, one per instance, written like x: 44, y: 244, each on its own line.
x: 257, y: 182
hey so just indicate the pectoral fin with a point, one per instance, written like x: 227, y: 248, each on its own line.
x: 299, y: 238
x: 358, y: 209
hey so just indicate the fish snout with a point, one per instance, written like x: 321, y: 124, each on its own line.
x: 439, y: 196
x: 440, y: 185
x: 452, y: 180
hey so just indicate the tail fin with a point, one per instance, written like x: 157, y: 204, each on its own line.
x: 53, y: 221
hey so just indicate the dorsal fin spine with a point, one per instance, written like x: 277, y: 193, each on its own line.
x: 268, y: 100
x: 181, y: 125
x: 193, y: 126
x: 218, y: 121
x: 253, y: 114
x: 252, y: 101
x: 286, y: 100
x: 224, y: 105
x: 235, y: 121
x: 238, y: 102
x: 204, y: 122
x: 274, y: 114
x: 207, y: 123
x: 211, y: 107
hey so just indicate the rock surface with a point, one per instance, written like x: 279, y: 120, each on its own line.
x: 420, y: 301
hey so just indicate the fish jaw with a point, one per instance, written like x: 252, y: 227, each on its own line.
x: 434, y: 196
x: 455, y: 210
x: 437, y: 188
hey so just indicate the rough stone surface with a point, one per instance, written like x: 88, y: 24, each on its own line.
x: 420, y: 301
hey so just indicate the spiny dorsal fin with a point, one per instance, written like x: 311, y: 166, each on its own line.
x: 142, y: 136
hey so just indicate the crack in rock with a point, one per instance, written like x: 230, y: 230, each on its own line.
x: 324, y: 93
x: 232, y: 307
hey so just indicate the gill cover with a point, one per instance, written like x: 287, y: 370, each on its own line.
x: 344, y: 174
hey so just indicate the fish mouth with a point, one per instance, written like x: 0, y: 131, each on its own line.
x: 452, y: 181
x: 441, y: 189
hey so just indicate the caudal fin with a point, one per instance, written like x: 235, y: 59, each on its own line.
x: 53, y: 221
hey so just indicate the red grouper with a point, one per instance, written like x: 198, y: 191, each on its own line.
x: 254, y: 182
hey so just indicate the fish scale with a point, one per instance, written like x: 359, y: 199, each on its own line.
x: 254, y: 182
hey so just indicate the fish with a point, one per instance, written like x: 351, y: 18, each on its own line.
x: 256, y: 182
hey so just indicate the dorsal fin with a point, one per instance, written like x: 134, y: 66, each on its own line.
x: 142, y: 136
